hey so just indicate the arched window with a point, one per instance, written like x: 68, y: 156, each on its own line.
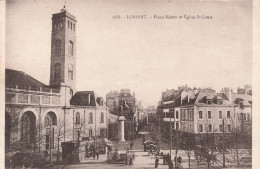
x: 70, y: 48
x: 57, y: 71
x: 50, y: 121
x: 90, y: 117
x: 102, y: 118
x: 70, y: 72
x: 77, y: 118
x: 57, y: 48
x: 71, y: 93
x: 28, y: 127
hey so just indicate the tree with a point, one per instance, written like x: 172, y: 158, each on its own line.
x: 155, y: 133
x: 188, y: 144
x: 23, y: 137
x: 177, y: 142
x: 59, y: 134
x: 238, y: 138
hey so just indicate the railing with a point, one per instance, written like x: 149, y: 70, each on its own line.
x: 46, y: 89
x: 33, y: 88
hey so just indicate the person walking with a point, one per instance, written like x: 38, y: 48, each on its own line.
x: 179, y: 159
x: 97, y: 153
x: 131, y: 145
x: 94, y: 152
x: 130, y: 160
x: 156, y: 161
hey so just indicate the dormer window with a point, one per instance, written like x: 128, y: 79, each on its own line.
x: 219, y: 101
x: 241, y: 106
x: 209, y: 101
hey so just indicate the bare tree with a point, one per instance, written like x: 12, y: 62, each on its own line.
x: 188, y: 144
x: 177, y: 142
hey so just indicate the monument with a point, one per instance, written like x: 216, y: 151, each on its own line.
x: 121, y: 127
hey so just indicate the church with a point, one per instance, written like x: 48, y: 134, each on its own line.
x: 39, y: 116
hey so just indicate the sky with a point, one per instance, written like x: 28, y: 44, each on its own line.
x: 147, y: 56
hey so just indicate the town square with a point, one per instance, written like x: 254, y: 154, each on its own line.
x: 96, y: 84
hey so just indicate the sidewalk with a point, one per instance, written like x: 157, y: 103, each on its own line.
x: 91, y: 160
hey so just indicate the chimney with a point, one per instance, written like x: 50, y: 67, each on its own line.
x: 188, y: 96
x: 230, y: 94
x: 89, y: 98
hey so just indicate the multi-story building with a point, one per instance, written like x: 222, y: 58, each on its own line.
x: 203, y: 111
x: 36, y: 114
x: 242, y: 101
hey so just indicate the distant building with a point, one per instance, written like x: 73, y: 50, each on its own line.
x: 124, y: 103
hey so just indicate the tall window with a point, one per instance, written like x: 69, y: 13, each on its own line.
x: 177, y: 114
x: 220, y: 114
x: 71, y: 93
x: 229, y: 127
x: 70, y: 48
x: 177, y: 126
x: 57, y: 71
x: 220, y: 128
x: 50, y: 121
x: 28, y: 127
x: 200, y: 128
x: 210, y: 128
x: 190, y: 113
x: 209, y: 114
x: 77, y: 118
x: 228, y: 114
x: 57, y: 48
x: 70, y: 72
x: 102, y: 118
x: 90, y: 117
x: 200, y: 114
x: 90, y: 132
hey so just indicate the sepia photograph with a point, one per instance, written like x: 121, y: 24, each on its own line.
x: 140, y: 84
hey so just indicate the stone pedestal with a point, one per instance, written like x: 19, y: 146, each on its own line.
x: 121, y: 128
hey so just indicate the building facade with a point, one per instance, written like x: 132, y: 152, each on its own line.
x: 203, y: 111
x: 40, y: 116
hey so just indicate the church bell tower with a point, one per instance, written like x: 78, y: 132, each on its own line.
x: 63, y: 51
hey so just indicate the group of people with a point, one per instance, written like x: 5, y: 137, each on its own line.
x: 95, y: 151
x: 167, y: 160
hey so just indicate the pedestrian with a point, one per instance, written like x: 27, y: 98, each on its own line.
x: 175, y: 159
x: 164, y: 159
x: 94, y: 152
x: 170, y: 164
x: 97, y: 153
x: 130, y: 160
x: 151, y: 151
x: 156, y: 161
x: 179, y: 159
x: 131, y: 145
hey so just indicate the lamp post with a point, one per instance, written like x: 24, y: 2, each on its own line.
x: 223, y: 143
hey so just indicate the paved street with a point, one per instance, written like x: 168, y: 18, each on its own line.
x: 143, y: 160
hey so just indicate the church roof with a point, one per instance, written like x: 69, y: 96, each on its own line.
x: 83, y: 98
x: 14, y: 77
